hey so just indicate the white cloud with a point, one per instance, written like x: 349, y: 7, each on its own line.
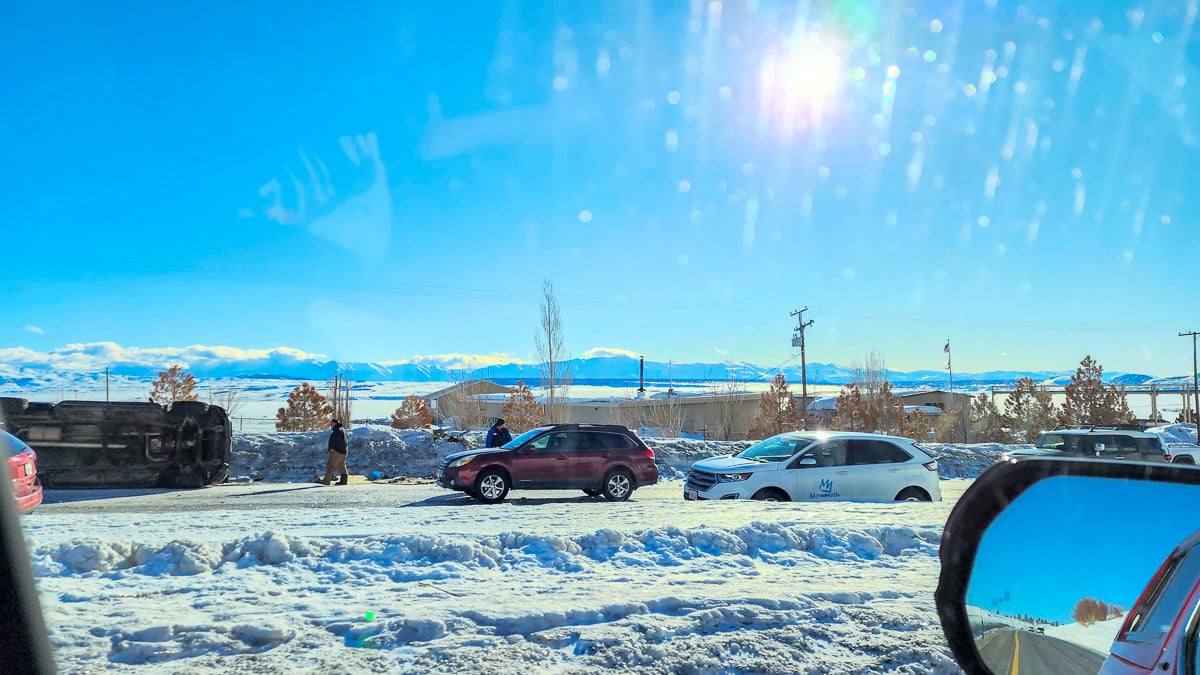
x: 95, y: 356
x: 35, y: 329
x: 603, y: 352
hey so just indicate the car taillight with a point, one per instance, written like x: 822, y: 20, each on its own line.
x: 648, y: 452
x: 932, y: 466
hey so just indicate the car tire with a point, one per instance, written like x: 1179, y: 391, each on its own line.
x: 771, y: 495
x: 913, y: 494
x: 591, y: 493
x: 186, y: 408
x: 1183, y: 459
x: 491, y: 487
x: 618, y: 485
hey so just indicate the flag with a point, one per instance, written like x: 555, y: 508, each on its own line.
x: 947, y: 364
x: 946, y: 349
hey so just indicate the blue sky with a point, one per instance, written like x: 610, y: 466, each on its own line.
x: 1067, y: 538
x: 375, y: 181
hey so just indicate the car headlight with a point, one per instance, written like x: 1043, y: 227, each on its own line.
x: 733, y: 477
x: 462, y: 461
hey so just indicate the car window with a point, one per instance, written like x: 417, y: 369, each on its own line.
x: 1162, y: 604
x: 1050, y: 442
x: 829, y: 453
x: 603, y: 440
x: 13, y: 445
x: 875, y: 452
x: 774, y: 449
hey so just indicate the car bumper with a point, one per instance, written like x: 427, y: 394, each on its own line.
x: 715, y: 493
x: 30, y: 498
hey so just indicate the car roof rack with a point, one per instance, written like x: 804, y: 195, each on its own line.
x: 1095, y: 427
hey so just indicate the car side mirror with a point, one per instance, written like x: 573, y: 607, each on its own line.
x: 1064, y: 545
x: 25, y: 647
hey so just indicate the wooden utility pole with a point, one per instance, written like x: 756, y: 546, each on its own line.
x: 798, y: 341
x: 1194, y: 413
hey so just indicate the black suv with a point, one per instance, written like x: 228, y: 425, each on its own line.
x: 605, y: 460
x: 1101, y: 443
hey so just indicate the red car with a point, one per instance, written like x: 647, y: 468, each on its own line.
x: 22, y: 472
x: 1156, y: 636
x: 603, y: 460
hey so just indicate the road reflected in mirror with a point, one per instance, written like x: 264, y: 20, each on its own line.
x: 1059, y: 570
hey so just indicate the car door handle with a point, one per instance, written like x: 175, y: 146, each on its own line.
x: 842, y: 473
x: 561, y: 457
x: 893, y: 470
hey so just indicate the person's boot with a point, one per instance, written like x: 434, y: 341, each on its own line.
x: 344, y: 480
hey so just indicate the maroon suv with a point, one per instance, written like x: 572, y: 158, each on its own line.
x: 600, y: 459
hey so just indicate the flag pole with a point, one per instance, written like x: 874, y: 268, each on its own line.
x: 950, y: 368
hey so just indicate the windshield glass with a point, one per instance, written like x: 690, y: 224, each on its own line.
x: 524, y: 438
x: 775, y: 449
x: 1051, y: 442
x: 711, y: 222
x: 13, y: 445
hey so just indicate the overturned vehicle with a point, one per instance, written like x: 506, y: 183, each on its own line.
x: 96, y: 444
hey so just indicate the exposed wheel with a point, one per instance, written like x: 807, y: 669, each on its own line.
x: 185, y: 408
x: 591, y: 493
x: 491, y: 486
x: 913, y: 494
x: 771, y: 495
x: 10, y: 404
x: 618, y: 485
x: 1183, y: 459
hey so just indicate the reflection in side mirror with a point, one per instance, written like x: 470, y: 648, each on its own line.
x: 1073, y: 573
x: 1070, y: 555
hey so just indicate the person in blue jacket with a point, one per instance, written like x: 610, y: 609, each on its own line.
x: 498, y: 434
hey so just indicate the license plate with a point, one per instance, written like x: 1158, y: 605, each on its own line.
x: 691, y: 495
x: 28, y: 469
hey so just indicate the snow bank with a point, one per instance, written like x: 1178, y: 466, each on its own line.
x: 449, y: 556
x: 298, y: 457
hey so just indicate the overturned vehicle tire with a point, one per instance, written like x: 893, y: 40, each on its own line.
x: 96, y: 444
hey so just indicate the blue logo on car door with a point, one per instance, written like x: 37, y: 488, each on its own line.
x: 824, y: 490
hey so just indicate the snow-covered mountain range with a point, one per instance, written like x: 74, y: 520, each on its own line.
x: 87, y: 364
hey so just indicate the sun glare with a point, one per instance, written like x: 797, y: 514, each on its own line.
x: 800, y: 87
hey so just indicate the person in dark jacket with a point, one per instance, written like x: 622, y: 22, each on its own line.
x: 498, y: 434
x: 337, y: 455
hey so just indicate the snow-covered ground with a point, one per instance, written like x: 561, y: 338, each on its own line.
x: 393, y: 577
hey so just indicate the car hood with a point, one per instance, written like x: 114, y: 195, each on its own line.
x: 731, y: 463
x: 478, y: 451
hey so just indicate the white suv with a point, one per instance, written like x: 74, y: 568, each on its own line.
x: 819, y: 466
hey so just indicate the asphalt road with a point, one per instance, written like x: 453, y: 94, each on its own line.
x: 1036, y: 654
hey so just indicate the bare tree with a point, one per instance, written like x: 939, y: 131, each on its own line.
x: 173, y: 384
x: 228, y: 398
x: 555, y: 367
x: 339, y: 398
x: 665, y: 415
x: 724, y: 409
x: 462, y: 406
